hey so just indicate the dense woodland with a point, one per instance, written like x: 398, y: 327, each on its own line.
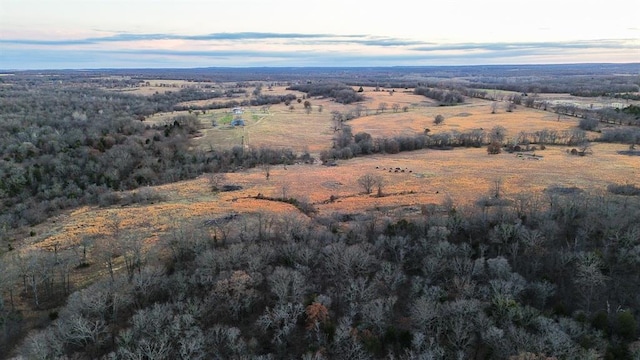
x: 554, y: 274
x: 557, y: 274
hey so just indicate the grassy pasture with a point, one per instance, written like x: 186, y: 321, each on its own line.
x: 430, y: 176
x: 476, y: 114
x: 162, y: 86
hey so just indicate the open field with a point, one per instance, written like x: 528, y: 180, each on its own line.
x: 428, y: 177
x: 149, y: 87
x: 294, y: 128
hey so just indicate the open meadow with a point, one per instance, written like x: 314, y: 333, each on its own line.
x: 425, y: 177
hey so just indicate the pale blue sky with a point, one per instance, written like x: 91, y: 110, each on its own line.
x: 53, y: 34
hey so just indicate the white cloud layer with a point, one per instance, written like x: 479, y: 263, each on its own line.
x: 161, y: 33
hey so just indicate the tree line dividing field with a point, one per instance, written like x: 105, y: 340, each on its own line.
x: 391, y: 249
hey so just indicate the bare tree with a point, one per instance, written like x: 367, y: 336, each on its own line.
x: 266, y: 168
x: 10, y: 276
x: 585, y: 148
x: 494, y: 107
x: 589, y: 278
x: 367, y: 182
x: 337, y: 118
x: 494, y: 148
x: 380, y: 183
x: 497, y: 134
x: 496, y: 190
x: 382, y: 107
x: 395, y: 107
x: 288, y: 285
x: 106, y: 251
x: 216, y: 180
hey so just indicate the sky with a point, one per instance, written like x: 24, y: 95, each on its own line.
x: 90, y: 34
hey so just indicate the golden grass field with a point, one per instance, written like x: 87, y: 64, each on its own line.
x: 431, y: 176
x: 298, y: 130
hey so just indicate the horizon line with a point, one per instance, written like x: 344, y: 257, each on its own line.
x: 320, y: 66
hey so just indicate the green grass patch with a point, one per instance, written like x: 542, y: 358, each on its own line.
x: 225, y: 120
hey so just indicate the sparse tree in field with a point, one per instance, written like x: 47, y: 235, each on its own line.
x: 497, y: 134
x: 405, y: 108
x: 106, y: 250
x: 132, y: 252
x: 494, y: 148
x: 258, y: 90
x: 81, y: 250
x: 585, y: 148
x: 494, y: 107
x: 395, y: 107
x: 588, y: 124
x: 380, y: 183
x: 216, y: 180
x: 496, y: 190
x: 382, y: 107
x: 319, y: 108
x: 338, y: 119
x: 307, y: 107
x: 511, y: 106
x: 368, y: 182
x: 266, y: 168
x: 439, y: 119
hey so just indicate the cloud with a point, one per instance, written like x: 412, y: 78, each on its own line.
x: 516, y: 46
x: 293, y: 49
x: 129, y: 37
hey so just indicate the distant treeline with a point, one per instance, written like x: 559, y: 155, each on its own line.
x: 445, y: 97
x: 348, y: 145
x: 340, y: 92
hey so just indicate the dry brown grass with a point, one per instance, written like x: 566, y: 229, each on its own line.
x: 475, y: 114
x: 430, y: 176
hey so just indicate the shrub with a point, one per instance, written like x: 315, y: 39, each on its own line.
x: 624, y: 189
x: 626, y: 325
x: 588, y: 124
x: 494, y: 148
